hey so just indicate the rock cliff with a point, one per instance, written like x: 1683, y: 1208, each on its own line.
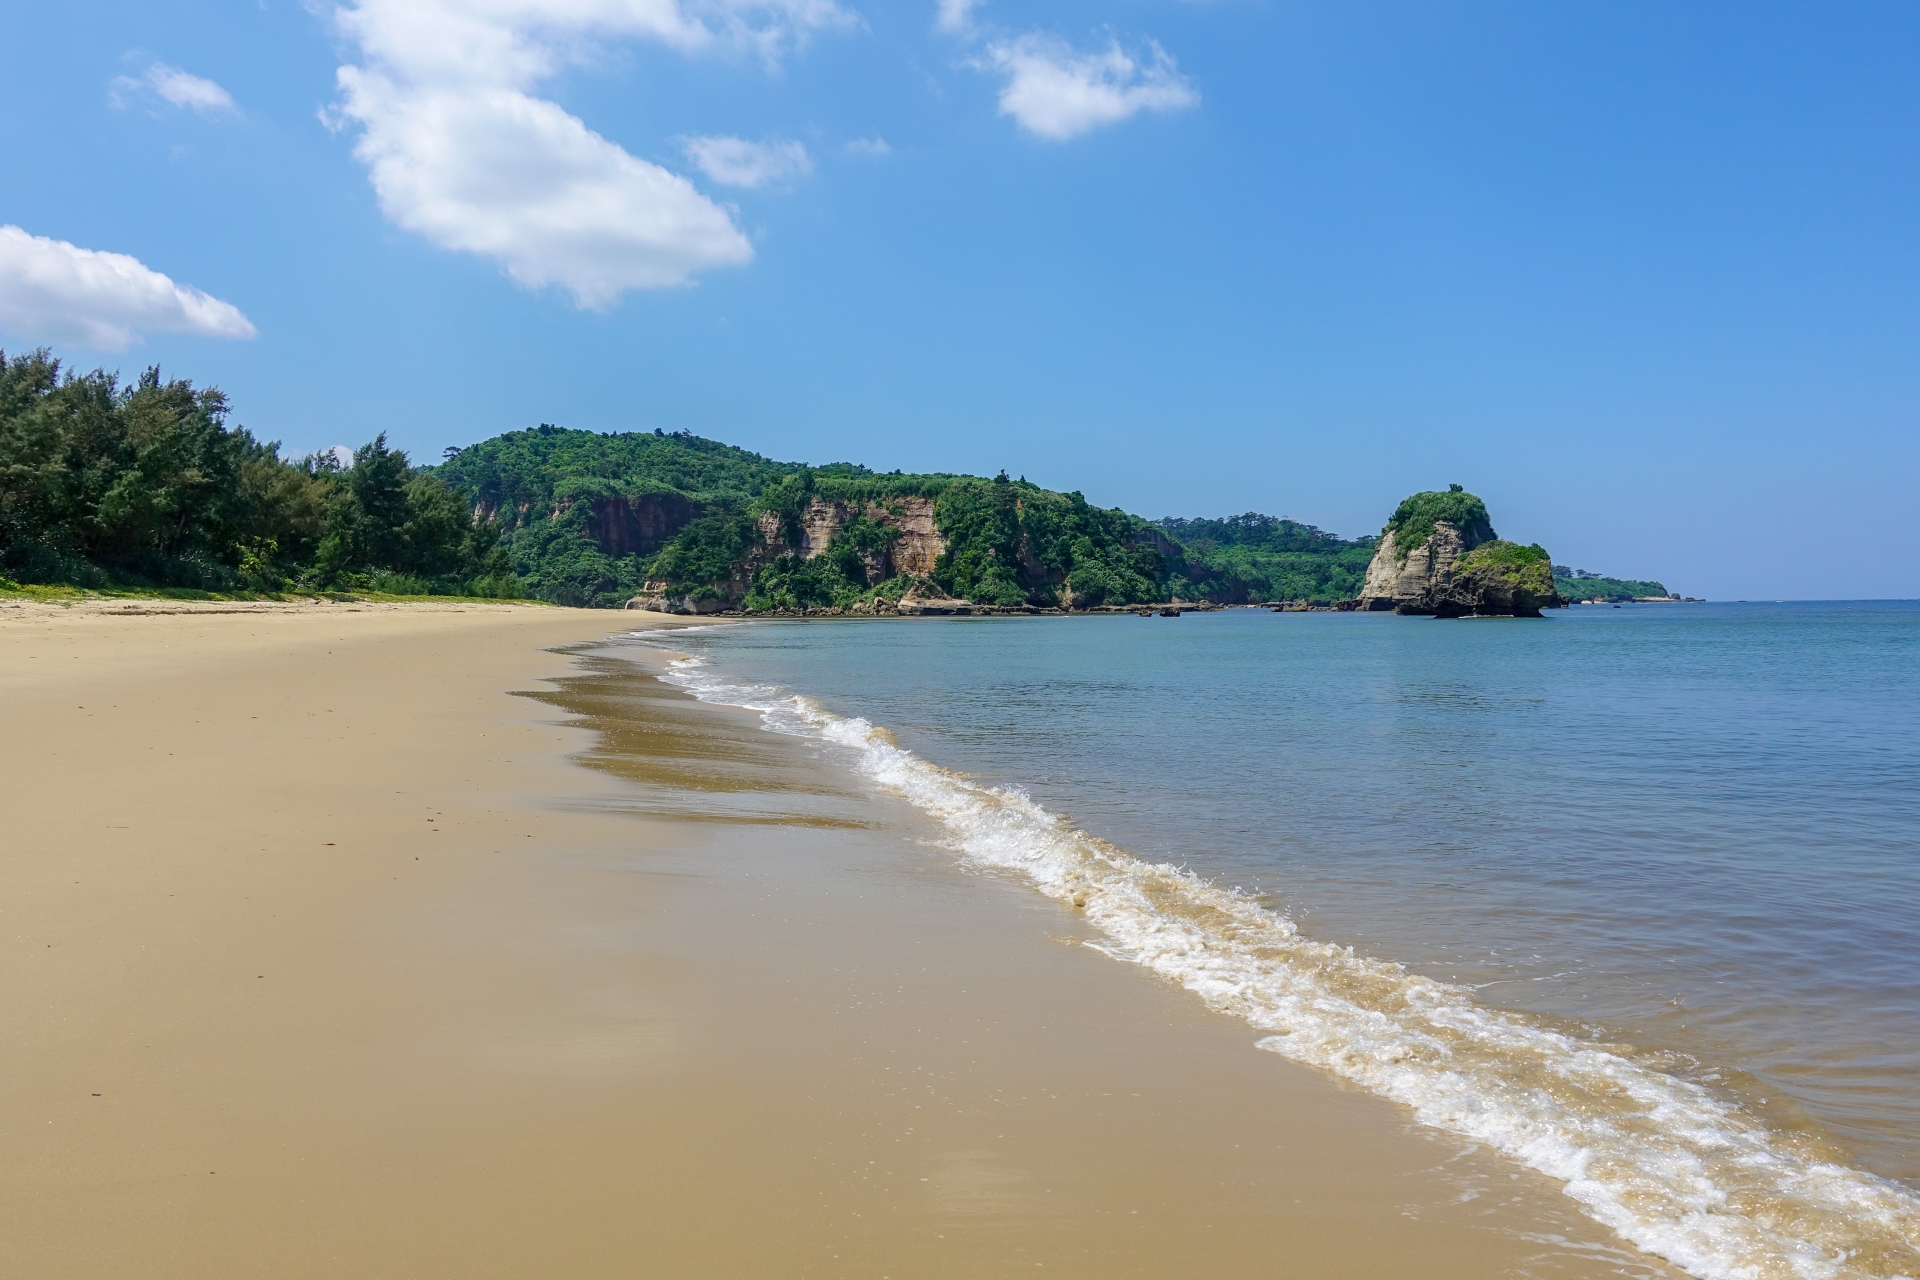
x: 909, y: 545
x: 639, y: 525
x: 1396, y: 582
x: 913, y: 547
x: 1439, y: 556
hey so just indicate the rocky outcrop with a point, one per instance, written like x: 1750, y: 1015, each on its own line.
x: 660, y: 602
x: 932, y: 604
x: 1500, y: 579
x: 1403, y: 584
x: 1459, y: 568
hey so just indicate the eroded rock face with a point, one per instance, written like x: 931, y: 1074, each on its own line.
x: 1484, y: 591
x: 1405, y: 586
x: 914, y: 552
x: 642, y: 525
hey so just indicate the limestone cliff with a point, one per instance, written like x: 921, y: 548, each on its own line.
x: 915, y: 543
x: 1439, y: 556
x: 911, y: 546
x: 1397, y: 582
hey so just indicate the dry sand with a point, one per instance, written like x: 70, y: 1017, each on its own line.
x: 324, y: 956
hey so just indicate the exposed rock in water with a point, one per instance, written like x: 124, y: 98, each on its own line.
x: 914, y: 604
x: 1403, y: 583
x: 1439, y: 556
x: 660, y: 602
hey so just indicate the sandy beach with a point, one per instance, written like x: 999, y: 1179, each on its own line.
x: 444, y: 941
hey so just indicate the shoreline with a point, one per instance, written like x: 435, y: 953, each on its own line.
x: 370, y: 976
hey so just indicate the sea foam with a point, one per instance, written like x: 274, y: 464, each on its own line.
x: 1672, y: 1167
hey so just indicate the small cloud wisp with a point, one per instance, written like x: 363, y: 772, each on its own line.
x: 176, y: 88
x: 1057, y: 92
x: 735, y: 162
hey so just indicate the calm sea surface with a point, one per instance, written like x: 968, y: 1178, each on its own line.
x: 1688, y: 833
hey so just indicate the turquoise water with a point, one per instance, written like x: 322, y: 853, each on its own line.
x: 1676, y: 845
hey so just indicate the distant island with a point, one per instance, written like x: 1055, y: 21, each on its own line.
x: 146, y: 486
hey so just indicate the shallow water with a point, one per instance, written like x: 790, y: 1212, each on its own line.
x: 1630, y: 894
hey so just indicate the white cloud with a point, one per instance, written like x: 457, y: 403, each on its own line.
x: 177, y: 87
x: 1056, y: 91
x: 461, y: 151
x: 516, y: 179
x: 57, y: 292
x: 873, y: 148
x: 739, y: 163
x: 954, y: 16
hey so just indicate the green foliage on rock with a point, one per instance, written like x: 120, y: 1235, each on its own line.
x: 1413, y: 520
x: 104, y: 486
x: 1524, y: 568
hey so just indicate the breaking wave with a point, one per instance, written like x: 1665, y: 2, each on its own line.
x: 1673, y: 1167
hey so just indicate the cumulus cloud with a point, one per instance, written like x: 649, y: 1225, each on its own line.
x: 461, y: 151
x: 516, y: 179
x: 57, y: 292
x: 1057, y: 92
x: 174, y: 86
x: 739, y: 163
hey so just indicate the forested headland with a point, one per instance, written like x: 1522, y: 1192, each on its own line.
x: 596, y: 519
x: 147, y: 485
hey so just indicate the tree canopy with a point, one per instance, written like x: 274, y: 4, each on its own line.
x: 1413, y: 520
x: 146, y: 485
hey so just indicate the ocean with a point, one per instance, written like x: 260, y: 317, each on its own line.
x: 1630, y: 895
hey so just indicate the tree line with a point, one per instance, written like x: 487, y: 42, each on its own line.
x: 145, y: 484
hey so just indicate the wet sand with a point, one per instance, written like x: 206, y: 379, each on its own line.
x: 325, y: 956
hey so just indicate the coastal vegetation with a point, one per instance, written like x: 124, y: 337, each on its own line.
x: 1253, y: 557
x: 1579, y: 584
x: 145, y: 485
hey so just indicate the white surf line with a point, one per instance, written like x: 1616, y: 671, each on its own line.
x: 1673, y: 1168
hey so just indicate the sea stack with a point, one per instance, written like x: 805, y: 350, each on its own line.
x: 1439, y: 556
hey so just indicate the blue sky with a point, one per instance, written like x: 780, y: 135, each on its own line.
x: 1643, y: 276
